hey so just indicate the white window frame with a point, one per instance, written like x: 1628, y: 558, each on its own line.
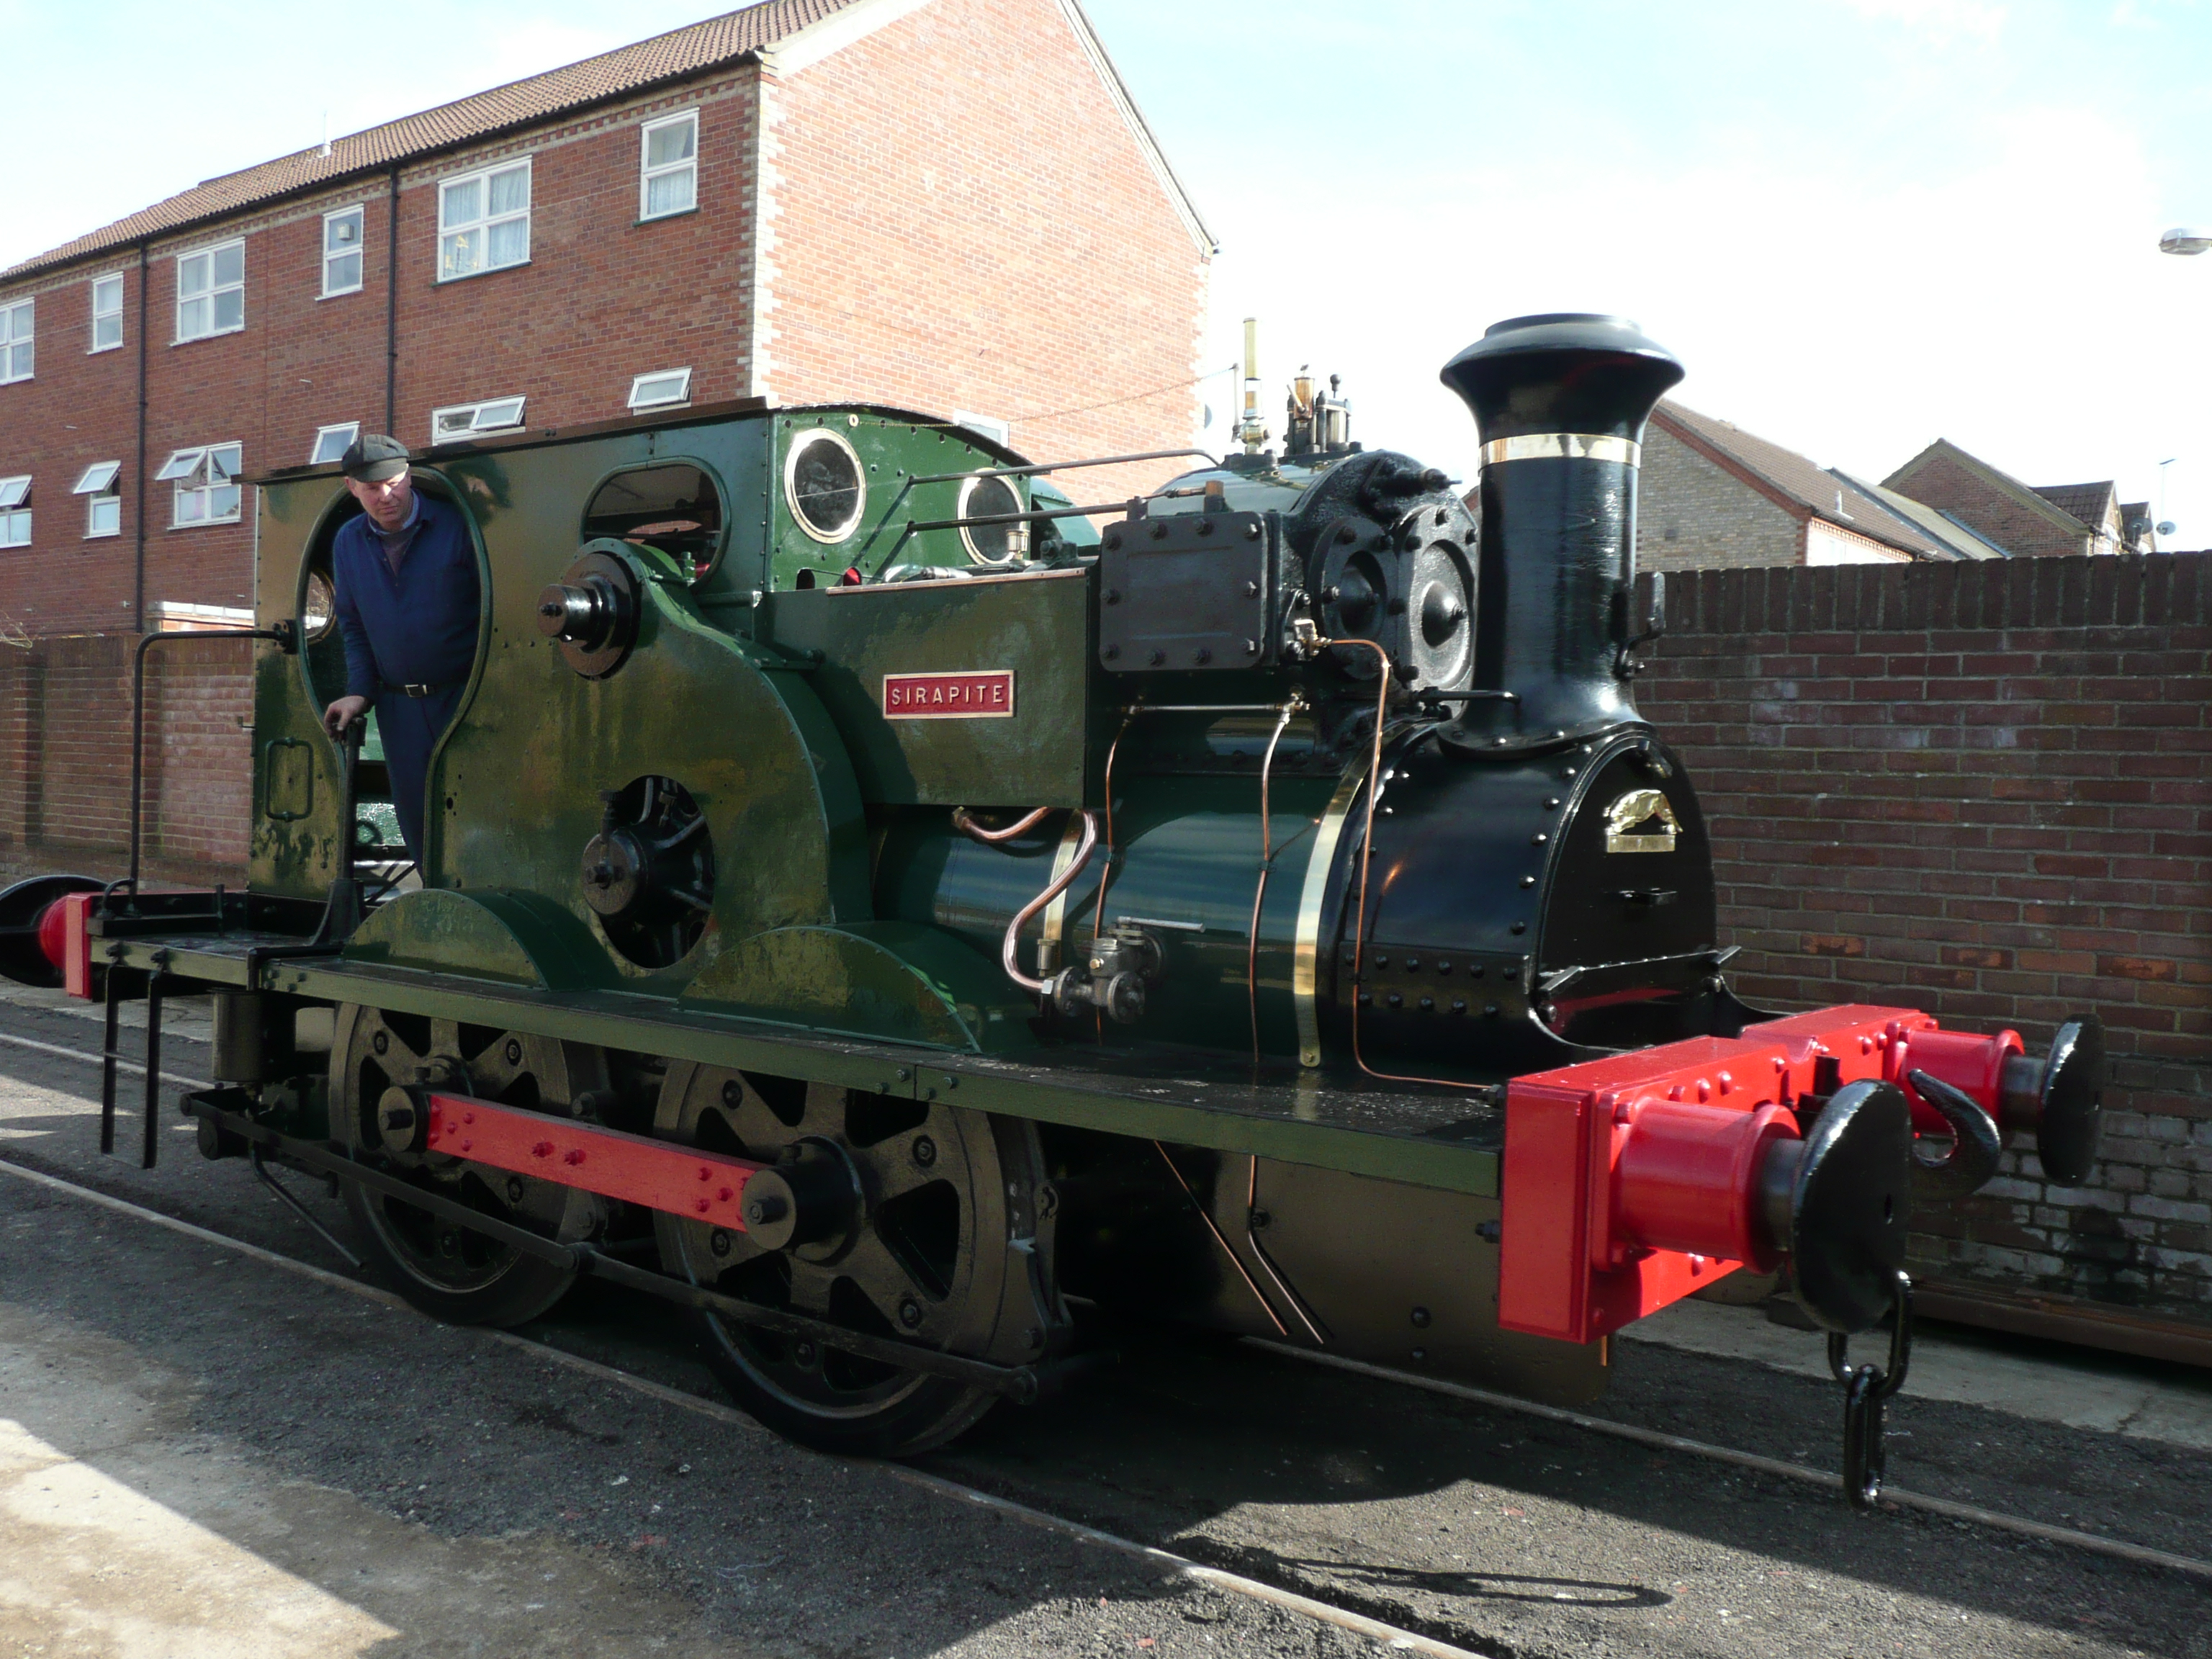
x: 213, y: 292
x: 100, y: 486
x: 679, y: 398
x: 19, y: 327
x: 996, y: 430
x: 99, y: 316
x: 179, y: 615
x: 324, y: 435
x: 647, y: 175
x: 194, y: 473
x: 357, y: 253
x: 15, y: 511
x: 459, y: 422
x: 486, y: 221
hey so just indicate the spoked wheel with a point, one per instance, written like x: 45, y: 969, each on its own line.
x: 897, y: 1218
x: 440, y: 1266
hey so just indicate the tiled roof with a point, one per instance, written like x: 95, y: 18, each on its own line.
x: 673, y: 56
x: 1804, y: 481
x: 2086, y: 502
x: 1963, y: 541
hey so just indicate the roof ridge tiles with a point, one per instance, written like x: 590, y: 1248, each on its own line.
x: 672, y: 55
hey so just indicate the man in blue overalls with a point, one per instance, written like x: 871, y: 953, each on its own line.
x: 407, y: 606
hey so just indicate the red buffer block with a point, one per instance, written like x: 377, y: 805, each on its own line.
x: 1631, y: 1181
x: 71, y: 917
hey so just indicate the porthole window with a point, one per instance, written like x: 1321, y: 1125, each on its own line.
x: 987, y: 496
x: 823, y: 485
x: 319, y: 609
x: 673, y: 506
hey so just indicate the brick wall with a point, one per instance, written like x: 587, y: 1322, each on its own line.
x: 1694, y: 515
x: 65, y: 758
x: 908, y: 232
x: 1981, y: 789
x: 883, y: 228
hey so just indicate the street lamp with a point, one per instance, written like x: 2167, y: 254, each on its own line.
x: 2185, y: 239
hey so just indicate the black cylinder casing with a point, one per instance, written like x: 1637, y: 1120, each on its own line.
x: 1557, y: 546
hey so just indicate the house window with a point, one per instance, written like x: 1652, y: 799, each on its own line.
x: 15, y: 512
x: 342, y: 251
x: 670, y: 181
x: 331, y: 442
x: 106, y: 313
x: 465, y: 420
x: 211, y: 291
x: 997, y: 431
x: 103, y: 503
x: 15, y: 341
x: 669, y: 387
x: 207, y: 492
x: 483, y: 221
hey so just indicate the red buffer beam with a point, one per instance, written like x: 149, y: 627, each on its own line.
x: 1631, y: 1181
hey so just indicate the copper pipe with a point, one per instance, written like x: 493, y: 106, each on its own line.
x: 1259, y: 893
x: 1098, y: 916
x: 1259, y: 1255
x: 1366, y: 855
x: 1009, y: 951
x: 965, y: 823
x: 1266, y: 1307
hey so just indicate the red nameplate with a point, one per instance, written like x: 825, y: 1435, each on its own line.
x: 975, y: 694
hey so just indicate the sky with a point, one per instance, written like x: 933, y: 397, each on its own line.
x: 1862, y: 224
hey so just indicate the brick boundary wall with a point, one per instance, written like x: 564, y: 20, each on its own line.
x: 1981, y: 789
x: 65, y: 758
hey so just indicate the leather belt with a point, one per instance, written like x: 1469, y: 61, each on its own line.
x: 421, y: 690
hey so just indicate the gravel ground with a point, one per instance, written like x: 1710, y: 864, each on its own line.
x: 460, y: 1495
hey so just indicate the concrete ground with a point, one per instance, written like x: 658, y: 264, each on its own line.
x: 201, y: 1453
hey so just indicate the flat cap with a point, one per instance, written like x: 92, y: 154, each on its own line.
x: 373, y: 458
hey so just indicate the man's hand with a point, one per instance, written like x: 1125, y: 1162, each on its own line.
x: 343, y: 713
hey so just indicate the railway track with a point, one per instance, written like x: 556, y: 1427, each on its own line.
x: 1000, y: 1470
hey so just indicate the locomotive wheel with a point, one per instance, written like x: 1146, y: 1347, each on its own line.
x: 914, y: 1243
x: 443, y: 1269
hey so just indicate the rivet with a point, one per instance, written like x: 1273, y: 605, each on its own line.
x: 1519, y: 928
x: 705, y: 1173
x: 1458, y: 1006
x: 1527, y: 881
x: 1396, y: 1000
x: 1550, y: 803
x: 1381, y: 962
x: 1727, y: 1083
x: 1412, y: 964
x: 1704, y: 1089
x: 1420, y: 1317
x: 1445, y: 966
x: 1113, y: 596
x: 1428, y: 1004
x: 1490, y: 1010
x: 1537, y: 839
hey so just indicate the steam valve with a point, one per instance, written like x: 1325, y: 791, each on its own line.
x: 1112, y: 979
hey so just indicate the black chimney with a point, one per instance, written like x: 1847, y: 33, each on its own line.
x: 1560, y: 401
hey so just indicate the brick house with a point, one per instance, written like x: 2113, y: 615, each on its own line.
x: 1711, y: 496
x: 803, y: 201
x: 2029, y: 521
